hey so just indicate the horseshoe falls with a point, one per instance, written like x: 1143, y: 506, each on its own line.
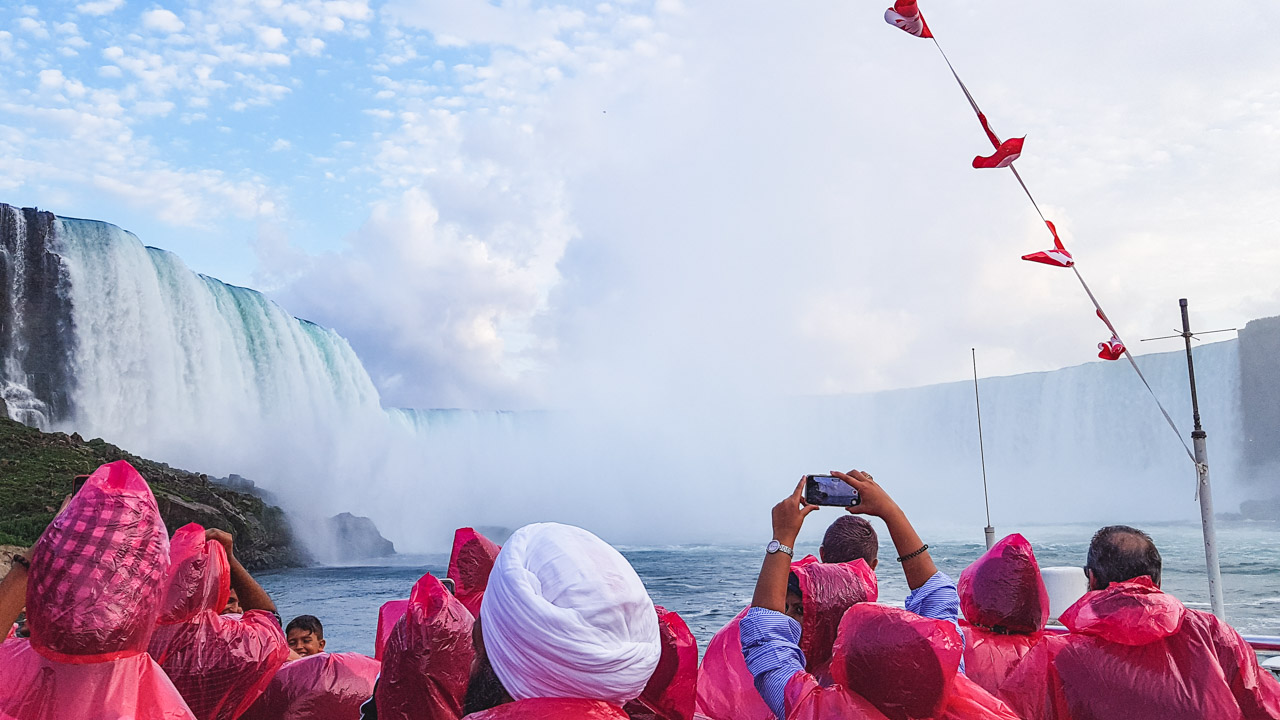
x: 106, y: 337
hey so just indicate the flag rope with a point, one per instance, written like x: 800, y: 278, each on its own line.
x: 1092, y: 298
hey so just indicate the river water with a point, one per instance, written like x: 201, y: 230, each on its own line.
x: 708, y: 584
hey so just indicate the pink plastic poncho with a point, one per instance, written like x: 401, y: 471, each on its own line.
x: 325, y: 686
x: 1005, y: 606
x: 388, y: 615
x: 1136, y: 653
x: 550, y: 709
x: 469, y: 566
x: 726, y: 690
x: 890, y: 663
x: 220, y: 663
x: 672, y: 691
x: 32, y: 687
x: 426, y: 663
x: 92, y: 600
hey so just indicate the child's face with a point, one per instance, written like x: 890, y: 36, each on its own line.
x: 305, y: 642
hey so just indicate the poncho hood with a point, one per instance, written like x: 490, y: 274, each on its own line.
x: 1135, y: 612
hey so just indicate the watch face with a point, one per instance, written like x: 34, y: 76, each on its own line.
x: 773, y: 546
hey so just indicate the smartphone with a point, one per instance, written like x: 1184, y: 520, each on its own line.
x: 829, y: 490
x: 448, y: 585
x: 78, y: 483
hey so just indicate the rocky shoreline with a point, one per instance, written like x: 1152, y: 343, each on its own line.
x: 36, y: 472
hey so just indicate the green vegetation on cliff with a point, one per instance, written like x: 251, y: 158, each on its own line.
x: 37, y: 469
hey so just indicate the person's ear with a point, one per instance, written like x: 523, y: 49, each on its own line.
x: 1093, y: 583
x: 322, y: 642
x: 822, y: 553
x: 874, y: 563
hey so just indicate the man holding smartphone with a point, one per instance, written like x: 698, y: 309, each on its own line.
x: 771, y: 639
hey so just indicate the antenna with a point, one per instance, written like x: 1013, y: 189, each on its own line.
x: 989, y: 531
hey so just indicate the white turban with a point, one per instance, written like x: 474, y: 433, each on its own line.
x: 565, y: 615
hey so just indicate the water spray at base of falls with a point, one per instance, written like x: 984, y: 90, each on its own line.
x: 188, y: 370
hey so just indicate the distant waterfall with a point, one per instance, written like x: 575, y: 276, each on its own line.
x: 102, y: 335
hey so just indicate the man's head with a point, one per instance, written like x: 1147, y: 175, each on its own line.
x: 565, y: 615
x: 849, y: 538
x: 233, y: 604
x: 1119, y: 553
x: 306, y: 635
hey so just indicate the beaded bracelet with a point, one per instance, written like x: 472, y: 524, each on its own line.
x: 905, y: 558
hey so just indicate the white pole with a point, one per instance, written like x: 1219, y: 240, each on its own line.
x: 1203, y: 490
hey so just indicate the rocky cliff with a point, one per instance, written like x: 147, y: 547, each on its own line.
x: 35, y: 319
x: 37, y: 469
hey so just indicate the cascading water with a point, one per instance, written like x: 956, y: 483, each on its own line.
x: 186, y: 369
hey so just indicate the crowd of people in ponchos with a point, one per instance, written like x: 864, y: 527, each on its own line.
x: 124, y: 621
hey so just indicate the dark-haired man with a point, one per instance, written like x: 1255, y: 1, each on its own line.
x: 1120, y: 553
x: 849, y: 538
x: 1135, y: 652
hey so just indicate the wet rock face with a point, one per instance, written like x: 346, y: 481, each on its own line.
x: 356, y: 538
x: 36, y: 332
x: 1260, y: 397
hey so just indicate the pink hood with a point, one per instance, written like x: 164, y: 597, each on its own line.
x: 1003, y: 591
x: 1135, y: 612
x: 199, y: 576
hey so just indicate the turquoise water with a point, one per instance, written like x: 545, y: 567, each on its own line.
x: 708, y: 585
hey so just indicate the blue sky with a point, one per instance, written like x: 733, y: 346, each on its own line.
x: 521, y: 204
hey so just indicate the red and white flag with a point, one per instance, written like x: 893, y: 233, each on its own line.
x: 1006, y: 150
x: 906, y: 16
x: 1112, y: 349
x: 1058, y: 256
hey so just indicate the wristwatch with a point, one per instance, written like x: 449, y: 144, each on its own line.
x: 775, y: 547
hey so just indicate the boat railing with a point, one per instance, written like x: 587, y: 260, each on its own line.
x: 1266, y: 647
x: 1263, y: 643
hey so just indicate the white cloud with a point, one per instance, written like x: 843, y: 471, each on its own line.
x: 33, y: 27
x: 272, y: 37
x: 280, y: 144
x: 52, y: 79
x: 162, y: 20
x: 311, y: 46
x: 100, y: 7
x: 153, y: 107
x: 463, y: 22
x: 439, y: 297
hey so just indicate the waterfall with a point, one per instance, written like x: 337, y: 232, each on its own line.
x: 170, y: 359
x: 107, y: 337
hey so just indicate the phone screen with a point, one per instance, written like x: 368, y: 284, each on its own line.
x: 829, y: 490
x: 78, y: 483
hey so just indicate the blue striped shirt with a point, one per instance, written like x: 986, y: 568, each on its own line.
x: 771, y: 640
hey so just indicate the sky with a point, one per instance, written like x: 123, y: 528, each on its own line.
x: 524, y: 204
